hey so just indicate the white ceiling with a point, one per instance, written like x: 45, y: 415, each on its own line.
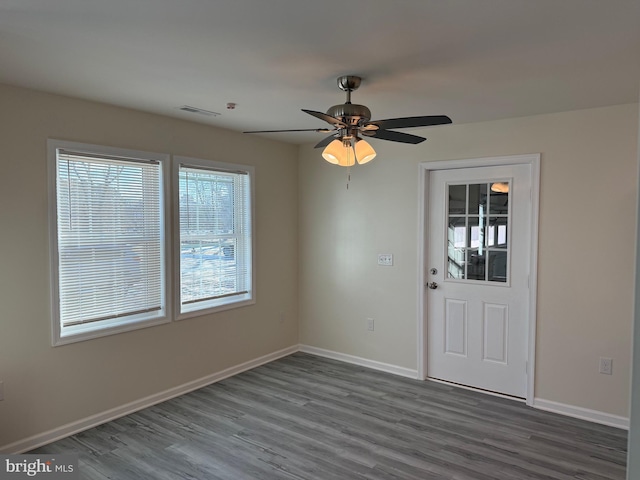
x: 473, y: 60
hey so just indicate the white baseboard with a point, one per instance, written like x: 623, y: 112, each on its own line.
x: 363, y: 362
x: 63, y: 431
x: 103, y: 417
x: 582, y: 413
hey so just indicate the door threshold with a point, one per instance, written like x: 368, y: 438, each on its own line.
x: 479, y: 390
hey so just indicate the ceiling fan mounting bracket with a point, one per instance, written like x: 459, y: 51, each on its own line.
x: 349, y: 83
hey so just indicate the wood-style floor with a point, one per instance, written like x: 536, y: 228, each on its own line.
x: 304, y: 417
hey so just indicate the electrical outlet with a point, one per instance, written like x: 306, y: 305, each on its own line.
x: 385, y: 259
x: 1, y: 390
x: 281, y: 317
x: 370, y: 324
x: 606, y: 365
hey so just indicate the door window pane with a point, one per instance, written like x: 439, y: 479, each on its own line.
x: 455, y: 263
x: 475, y: 233
x: 457, y: 241
x: 457, y: 199
x: 477, y: 199
x: 478, y: 220
x: 475, y: 265
x: 497, y: 266
x: 457, y: 232
x: 497, y: 232
x: 499, y: 198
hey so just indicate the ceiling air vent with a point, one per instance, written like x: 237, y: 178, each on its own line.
x: 199, y: 111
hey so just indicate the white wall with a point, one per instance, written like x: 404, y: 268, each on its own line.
x: 586, y: 247
x: 47, y: 387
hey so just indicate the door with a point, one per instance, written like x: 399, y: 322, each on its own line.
x: 478, y: 257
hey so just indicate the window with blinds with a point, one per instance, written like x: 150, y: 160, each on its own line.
x: 215, y: 225
x: 108, y: 244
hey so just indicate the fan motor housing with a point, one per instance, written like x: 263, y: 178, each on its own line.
x: 350, y: 113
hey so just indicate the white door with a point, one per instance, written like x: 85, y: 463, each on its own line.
x: 478, y: 257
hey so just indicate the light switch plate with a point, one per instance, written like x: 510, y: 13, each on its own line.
x: 385, y: 259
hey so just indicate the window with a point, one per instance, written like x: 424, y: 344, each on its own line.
x: 214, y: 254
x: 110, y: 240
x: 108, y: 252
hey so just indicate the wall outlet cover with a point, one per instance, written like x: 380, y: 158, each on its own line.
x: 606, y: 365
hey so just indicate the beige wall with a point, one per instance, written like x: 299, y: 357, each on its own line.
x: 48, y: 387
x: 633, y: 451
x: 586, y: 247
x: 587, y: 223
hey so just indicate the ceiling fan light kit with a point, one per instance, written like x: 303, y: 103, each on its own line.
x: 346, y: 152
x: 344, y: 146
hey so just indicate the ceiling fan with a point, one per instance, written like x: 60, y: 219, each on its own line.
x: 350, y: 122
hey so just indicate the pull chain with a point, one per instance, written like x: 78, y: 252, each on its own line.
x: 350, y: 150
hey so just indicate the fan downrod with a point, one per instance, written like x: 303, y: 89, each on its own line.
x: 350, y: 113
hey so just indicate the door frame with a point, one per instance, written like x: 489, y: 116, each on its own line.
x: 533, y: 161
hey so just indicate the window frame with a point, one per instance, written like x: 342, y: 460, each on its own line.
x: 230, y: 302
x: 111, y: 326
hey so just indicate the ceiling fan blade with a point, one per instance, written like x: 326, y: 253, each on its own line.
x: 321, y: 130
x: 327, y: 118
x: 325, y: 141
x: 408, y: 122
x: 396, y: 136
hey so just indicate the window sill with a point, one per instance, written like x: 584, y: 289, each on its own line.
x: 74, y: 335
x: 198, y: 311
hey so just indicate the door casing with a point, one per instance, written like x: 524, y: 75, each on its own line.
x: 533, y: 160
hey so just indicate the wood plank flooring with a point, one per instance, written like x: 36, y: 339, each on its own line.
x: 305, y: 417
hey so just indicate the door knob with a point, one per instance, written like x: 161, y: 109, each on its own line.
x: 432, y: 285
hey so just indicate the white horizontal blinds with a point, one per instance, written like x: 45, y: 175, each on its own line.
x: 110, y: 246
x: 215, y: 235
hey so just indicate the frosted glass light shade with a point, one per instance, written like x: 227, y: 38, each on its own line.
x: 338, y: 154
x: 345, y: 156
x: 364, y: 152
